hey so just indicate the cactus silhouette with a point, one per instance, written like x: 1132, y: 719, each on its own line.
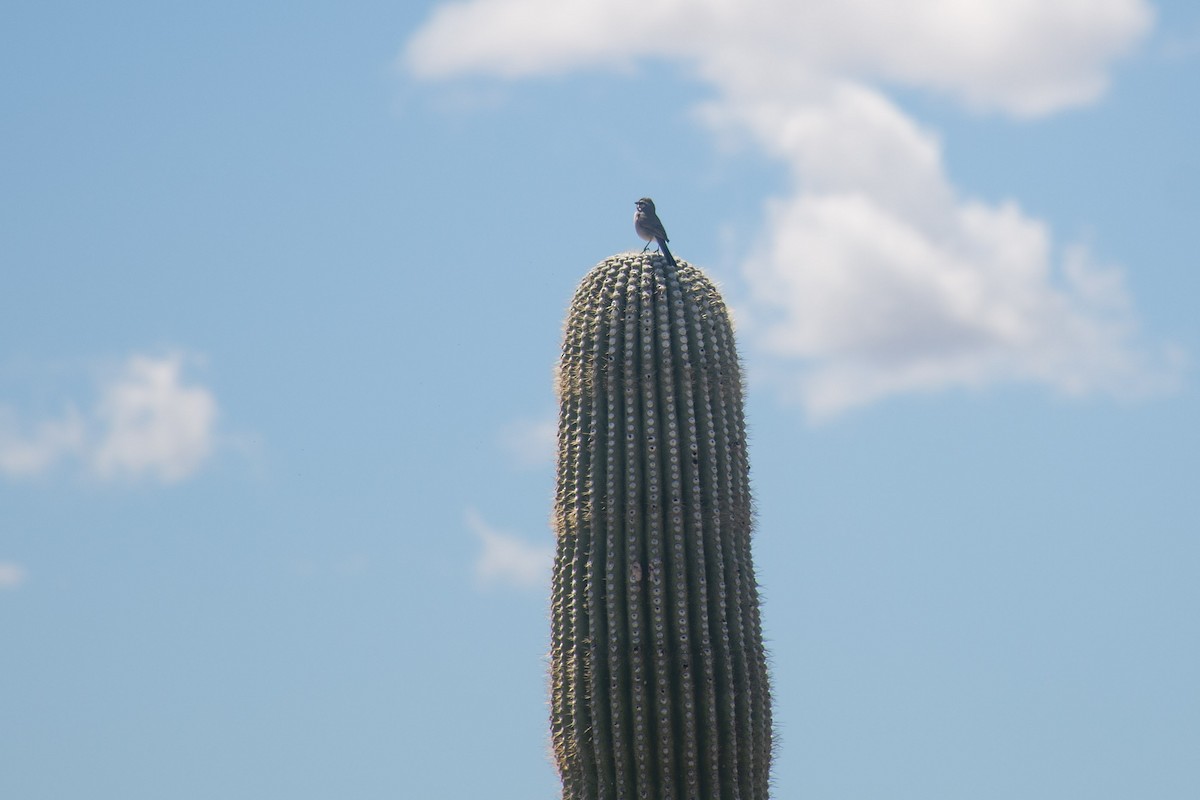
x: 657, y: 668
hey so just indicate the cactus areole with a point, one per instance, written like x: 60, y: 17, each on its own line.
x: 658, y: 673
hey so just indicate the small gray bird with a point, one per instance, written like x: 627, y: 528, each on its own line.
x: 650, y: 228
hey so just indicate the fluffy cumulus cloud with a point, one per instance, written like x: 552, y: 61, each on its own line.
x: 507, y: 560
x: 152, y: 423
x: 147, y: 422
x: 874, y: 275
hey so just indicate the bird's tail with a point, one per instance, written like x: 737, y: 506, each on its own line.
x: 662, y: 245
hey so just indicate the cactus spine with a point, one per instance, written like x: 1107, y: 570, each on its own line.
x: 658, y: 673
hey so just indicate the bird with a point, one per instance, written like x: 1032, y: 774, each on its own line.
x: 648, y: 226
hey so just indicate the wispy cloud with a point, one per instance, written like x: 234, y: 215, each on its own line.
x: 505, y: 560
x: 874, y: 275
x: 45, y: 444
x: 147, y: 422
x: 530, y: 442
x: 11, y: 575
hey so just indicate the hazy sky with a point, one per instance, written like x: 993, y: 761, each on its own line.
x: 283, y: 292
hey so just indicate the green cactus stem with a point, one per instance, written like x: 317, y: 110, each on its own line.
x: 658, y: 672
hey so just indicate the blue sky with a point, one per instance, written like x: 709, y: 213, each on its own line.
x: 284, y: 287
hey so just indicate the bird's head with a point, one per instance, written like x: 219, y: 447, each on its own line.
x: 645, y: 204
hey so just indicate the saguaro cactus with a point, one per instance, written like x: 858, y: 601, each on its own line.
x: 658, y: 673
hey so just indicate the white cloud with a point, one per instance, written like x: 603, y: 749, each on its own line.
x: 152, y: 423
x: 530, y: 442
x: 38, y: 450
x: 147, y: 422
x: 1022, y: 56
x: 11, y: 575
x: 507, y: 560
x: 875, y: 275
